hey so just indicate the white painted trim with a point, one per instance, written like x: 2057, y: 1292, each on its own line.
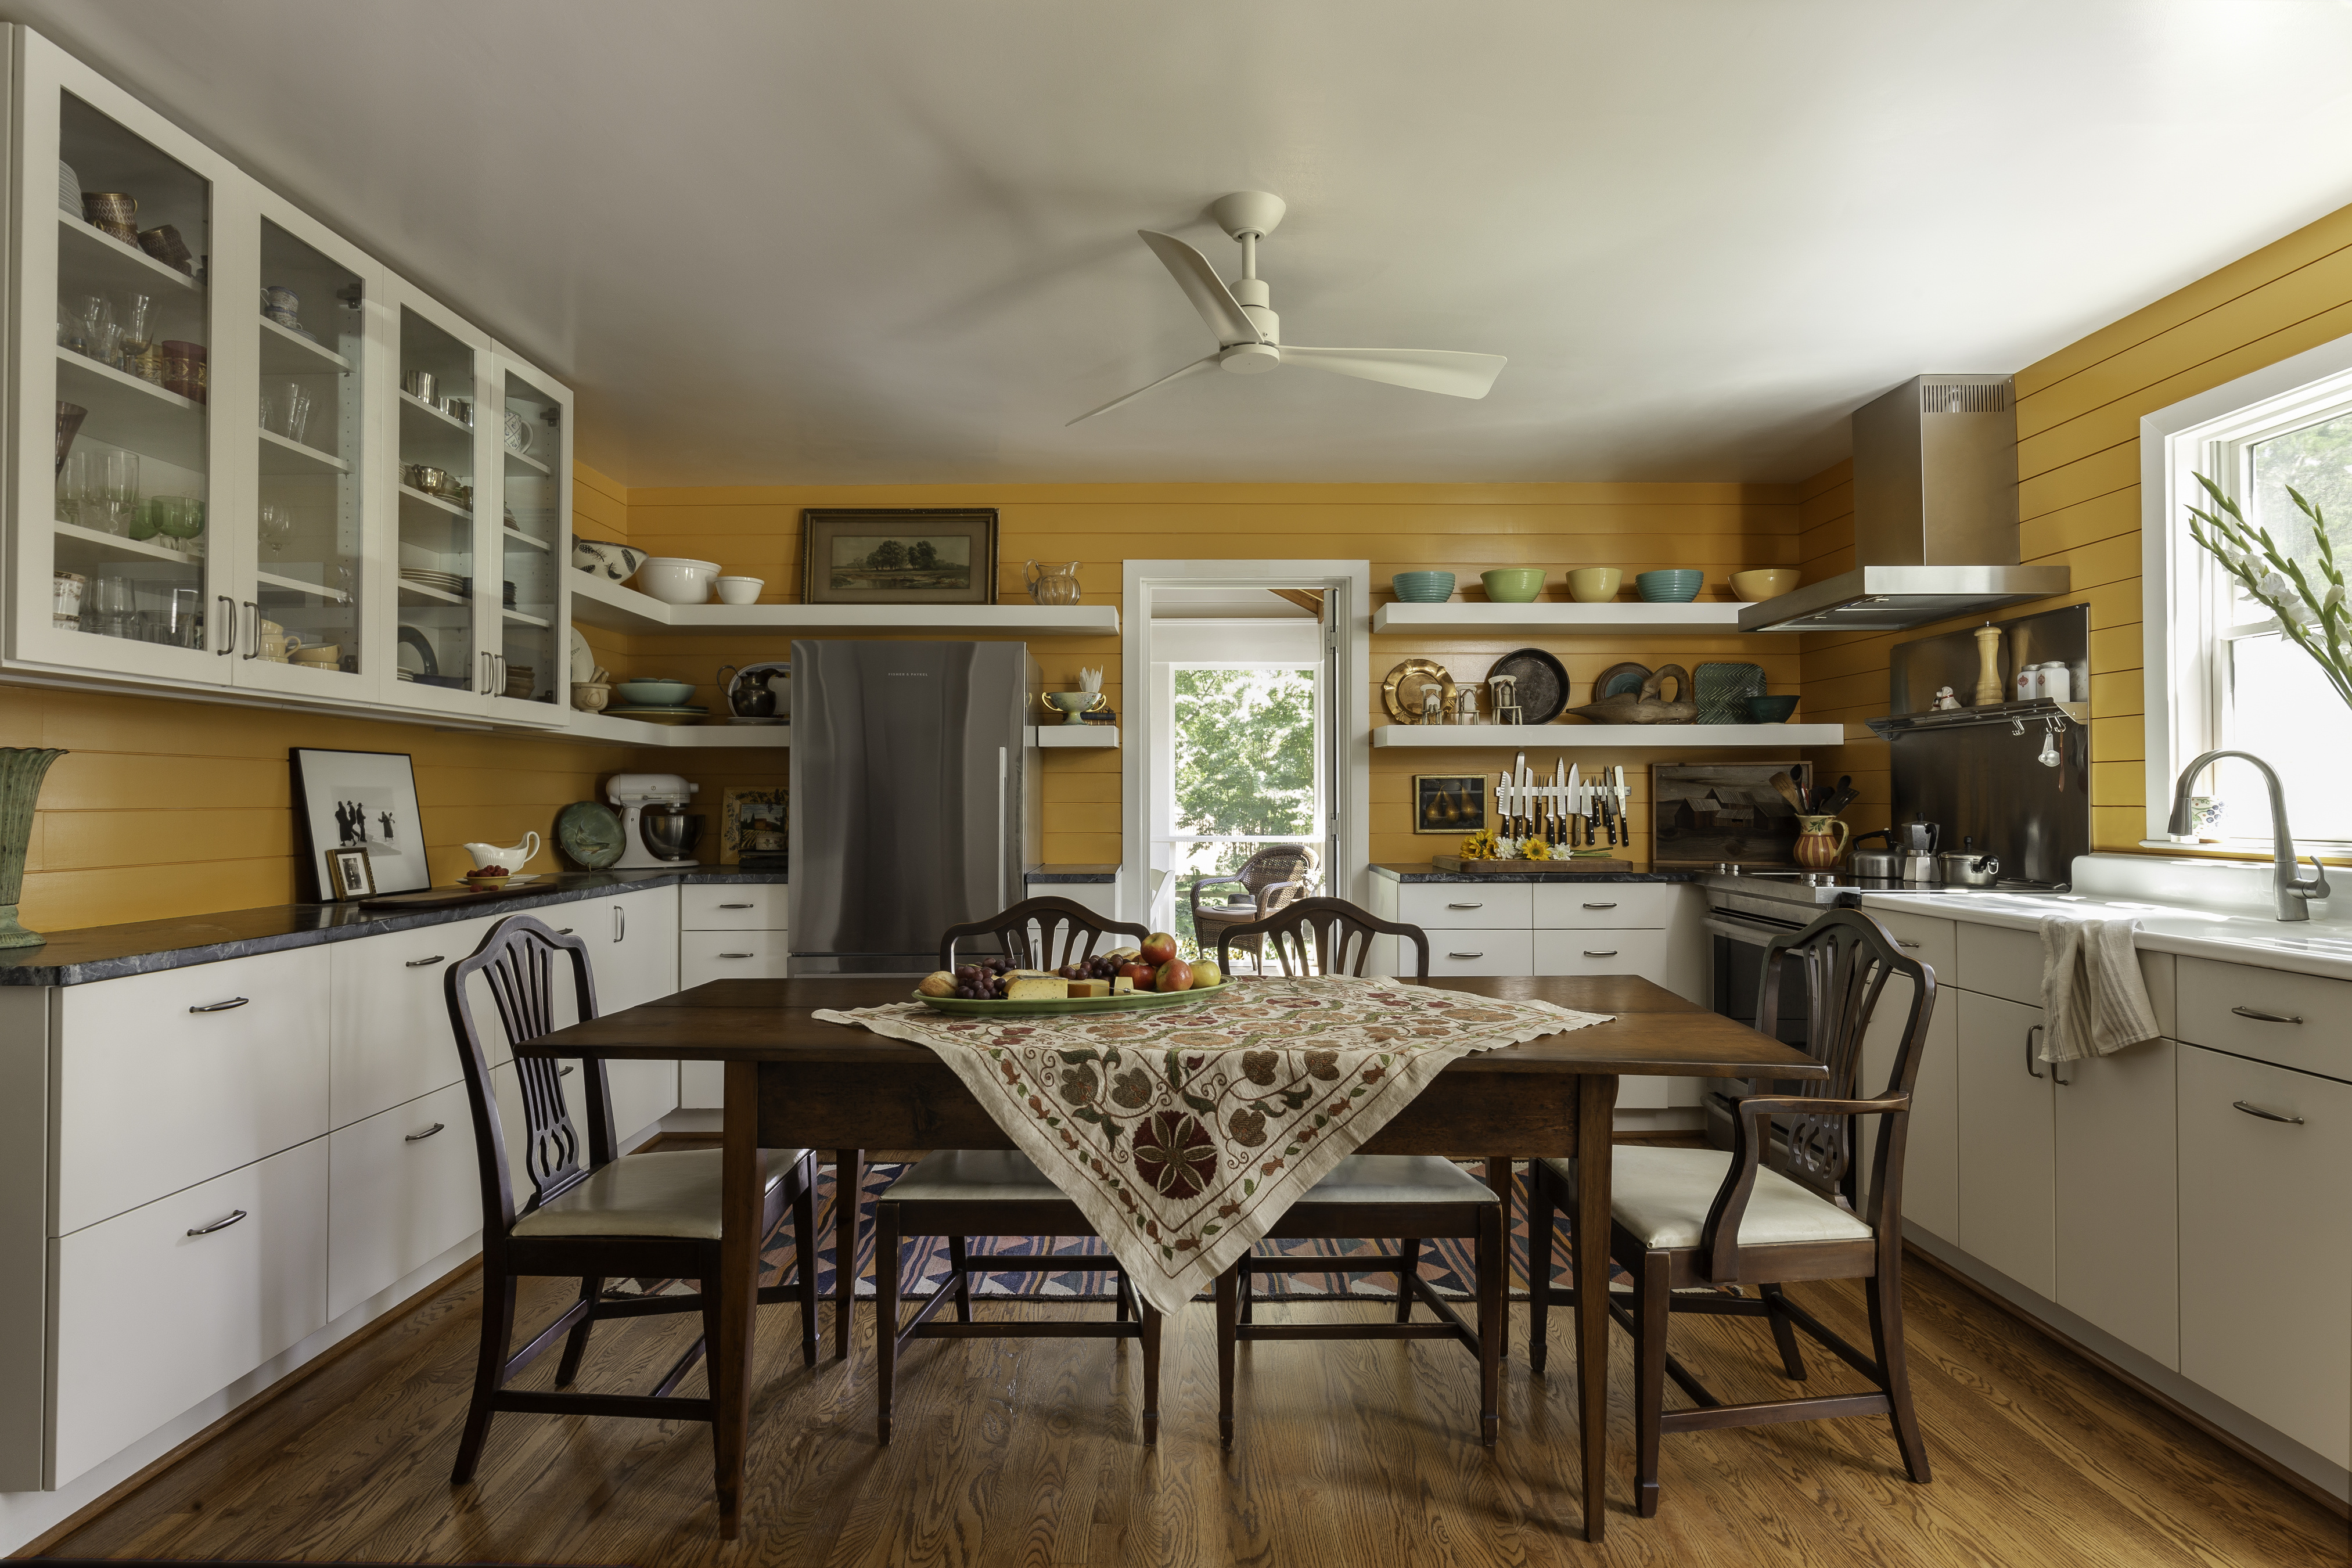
x: 1351, y: 581
x: 2174, y: 442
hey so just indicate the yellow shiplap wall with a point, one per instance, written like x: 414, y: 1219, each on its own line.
x: 2078, y: 414
x: 171, y: 807
x: 1467, y: 529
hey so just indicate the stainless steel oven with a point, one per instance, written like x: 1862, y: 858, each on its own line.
x: 1739, y: 927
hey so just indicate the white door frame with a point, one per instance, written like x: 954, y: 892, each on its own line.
x: 1347, y: 587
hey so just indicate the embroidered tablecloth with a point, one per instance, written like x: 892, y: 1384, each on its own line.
x: 1185, y: 1134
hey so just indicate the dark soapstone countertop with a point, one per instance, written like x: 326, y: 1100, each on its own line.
x: 1075, y: 871
x: 144, y: 947
x: 1425, y: 872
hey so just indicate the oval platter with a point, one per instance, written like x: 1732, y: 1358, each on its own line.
x: 1128, y: 1002
x: 1542, y: 682
x: 588, y: 832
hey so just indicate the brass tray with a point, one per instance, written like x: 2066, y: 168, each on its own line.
x: 1126, y: 1001
x: 1410, y: 676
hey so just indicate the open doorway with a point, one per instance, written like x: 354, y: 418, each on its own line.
x: 1244, y: 735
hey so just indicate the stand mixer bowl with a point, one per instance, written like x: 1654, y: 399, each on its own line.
x: 670, y: 833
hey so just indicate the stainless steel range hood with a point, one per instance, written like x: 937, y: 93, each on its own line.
x: 1935, y: 516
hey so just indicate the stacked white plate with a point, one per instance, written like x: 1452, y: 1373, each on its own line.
x: 69, y: 189
x: 447, y: 582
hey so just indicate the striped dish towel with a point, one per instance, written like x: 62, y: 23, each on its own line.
x: 2094, y: 1001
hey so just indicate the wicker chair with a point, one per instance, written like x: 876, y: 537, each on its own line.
x: 1272, y: 878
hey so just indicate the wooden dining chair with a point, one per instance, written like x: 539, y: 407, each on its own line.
x: 1695, y: 1225
x: 647, y: 1216
x: 963, y: 1192
x: 1403, y: 1196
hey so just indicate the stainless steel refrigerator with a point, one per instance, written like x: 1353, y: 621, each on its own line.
x: 914, y: 797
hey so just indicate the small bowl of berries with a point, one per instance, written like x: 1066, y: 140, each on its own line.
x: 488, y: 878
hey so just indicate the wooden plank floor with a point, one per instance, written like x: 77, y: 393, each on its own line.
x: 1024, y: 1452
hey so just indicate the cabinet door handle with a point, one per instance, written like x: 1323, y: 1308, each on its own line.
x: 421, y: 1137
x: 1477, y: 906
x: 2266, y: 1115
x: 228, y: 643
x: 564, y: 931
x: 2261, y: 1018
x: 1466, y: 955
x: 1590, y: 954
x: 734, y: 906
x: 565, y: 1072
x: 1900, y: 942
x: 256, y: 649
x: 234, y: 1002
x: 2029, y: 1050
x: 486, y: 672
x: 620, y: 923
x: 217, y: 1225
x: 425, y: 963
x: 1606, y: 906
x: 739, y: 955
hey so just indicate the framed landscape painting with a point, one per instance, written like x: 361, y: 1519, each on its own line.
x: 893, y: 555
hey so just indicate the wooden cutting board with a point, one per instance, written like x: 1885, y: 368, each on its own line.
x: 1585, y: 867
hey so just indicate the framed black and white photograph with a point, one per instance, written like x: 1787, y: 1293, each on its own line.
x: 363, y: 801
x: 1449, y: 802
x: 898, y: 555
x: 348, y: 875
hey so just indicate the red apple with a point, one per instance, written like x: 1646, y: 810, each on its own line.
x: 1158, y: 948
x: 1174, y: 976
x: 1139, y: 973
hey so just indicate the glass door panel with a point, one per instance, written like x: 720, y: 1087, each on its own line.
x: 132, y: 549
x: 534, y: 659
x: 438, y: 593
x: 306, y: 545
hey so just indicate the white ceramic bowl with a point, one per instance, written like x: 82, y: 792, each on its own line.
x: 741, y: 590
x: 676, y: 579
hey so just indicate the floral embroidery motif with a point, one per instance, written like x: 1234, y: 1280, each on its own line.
x: 1078, y: 1085
x: 1258, y: 1065
x: 1174, y: 1154
x: 1324, y: 1065
x: 1247, y: 1128
x: 1131, y: 1090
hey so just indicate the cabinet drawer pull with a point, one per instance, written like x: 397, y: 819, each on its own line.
x: 233, y: 1002
x: 217, y: 1225
x: 565, y: 1072
x: 2030, y: 1067
x: 424, y: 963
x: 1590, y: 954
x: 735, y: 906
x: 1606, y: 906
x: 421, y: 1137
x: 2261, y: 1017
x: 564, y: 931
x: 1900, y: 942
x: 1466, y: 955
x: 739, y: 955
x: 2266, y: 1115
x: 1477, y: 906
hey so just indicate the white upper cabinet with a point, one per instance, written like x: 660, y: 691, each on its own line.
x: 533, y: 438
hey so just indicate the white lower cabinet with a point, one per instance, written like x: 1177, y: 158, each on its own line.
x: 393, y: 1039
x: 633, y: 951
x: 2267, y: 1242
x: 1931, y: 1162
x: 403, y: 1188
x: 707, y: 956
x: 2009, y: 1208
x: 738, y: 933
x: 1482, y: 952
x: 163, y: 1306
x: 2119, y: 1219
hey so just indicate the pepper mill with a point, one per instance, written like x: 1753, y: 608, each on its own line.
x: 1988, y: 692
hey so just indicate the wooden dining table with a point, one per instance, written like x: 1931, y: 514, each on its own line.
x: 793, y: 1081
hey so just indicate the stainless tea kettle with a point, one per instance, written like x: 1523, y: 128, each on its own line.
x: 1916, y: 842
x: 1884, y: 864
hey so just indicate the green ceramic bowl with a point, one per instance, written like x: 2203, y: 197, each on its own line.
x: 1513, y: 585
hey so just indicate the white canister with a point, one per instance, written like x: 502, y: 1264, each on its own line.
x: 2028, y: 682
x: 2057, y: 681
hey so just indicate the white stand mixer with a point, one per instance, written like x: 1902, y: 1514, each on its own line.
x: 632, y: 793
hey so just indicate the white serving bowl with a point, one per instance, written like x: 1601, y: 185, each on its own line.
x: 741, y: 590
x: 676, y: 579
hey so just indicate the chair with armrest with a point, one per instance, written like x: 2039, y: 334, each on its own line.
x: 649, y: 1217
x: 1272, y: 877
x: 1695, y: 1225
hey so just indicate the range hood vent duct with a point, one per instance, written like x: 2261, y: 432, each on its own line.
x: 1935, y: 515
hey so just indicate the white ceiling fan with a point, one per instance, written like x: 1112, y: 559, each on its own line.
x: 1249, y: 334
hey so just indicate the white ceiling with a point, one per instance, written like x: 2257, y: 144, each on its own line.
x: 894, y: 241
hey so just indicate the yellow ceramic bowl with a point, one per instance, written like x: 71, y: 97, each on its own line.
x: 1765, y: 583
x: 1594, y: 585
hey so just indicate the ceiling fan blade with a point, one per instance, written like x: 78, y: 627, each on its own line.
x: 1207, y: 291
x: 1209, y: 363
x: 1423, y: 370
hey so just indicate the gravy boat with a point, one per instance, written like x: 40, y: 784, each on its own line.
x: 514, y: 857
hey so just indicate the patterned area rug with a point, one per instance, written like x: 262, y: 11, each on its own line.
x: 1322, y: 1273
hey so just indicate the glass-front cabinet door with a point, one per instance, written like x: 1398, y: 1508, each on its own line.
x: 304, y: 562
x: 120, y: 566
x: 445, y: 590
x: 533, y: 650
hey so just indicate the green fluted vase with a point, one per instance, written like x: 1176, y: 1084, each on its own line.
x: 22, y: 769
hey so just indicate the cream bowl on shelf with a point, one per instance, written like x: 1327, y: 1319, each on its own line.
x: 1764, y: 582
x: 677, y: 579
x: 1594, y: 585
x: 741, y: 590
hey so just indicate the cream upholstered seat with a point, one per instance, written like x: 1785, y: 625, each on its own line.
x: 1661, y: 1196
x: 972, y: 1177
x: 671, y: 1193
x: 1398, y: 1179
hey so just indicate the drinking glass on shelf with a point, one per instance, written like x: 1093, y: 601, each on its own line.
x: 277, y: 526
x: 291, y: 401
x: 180, y: 517
x: 112, y: 609
x: 119, y: 486
x: 140, y: 321
x: 80, y: 499
x: 93, y: 319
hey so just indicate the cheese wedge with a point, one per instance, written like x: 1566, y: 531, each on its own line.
x: 1037, y: 988
x: 1122, y: 986
x: 1089, y: 987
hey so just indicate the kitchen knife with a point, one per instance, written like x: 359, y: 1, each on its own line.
x: 1625, y: 829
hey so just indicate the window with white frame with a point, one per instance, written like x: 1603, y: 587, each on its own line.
x: 2221, y: 673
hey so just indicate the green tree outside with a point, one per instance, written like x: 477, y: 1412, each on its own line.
x: 1245, y: 764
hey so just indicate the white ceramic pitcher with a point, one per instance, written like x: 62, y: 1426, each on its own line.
x: 514, y: 857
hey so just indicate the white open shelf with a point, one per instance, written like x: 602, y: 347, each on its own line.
x: 680, y: 737
x: 426, y: 591
x: 517, y: 536
x: 598, y: 601
x: 296, y: 585
x: 525, y: 460
x: 281, y: 455
x: 520, y: 619
x: 412, y: 406
x: 285, y: 351
x: 1613, y: 619
x: 1088, y: 737
x: 99, y: 258
x: 149, y: 548
x: 1552, y: 737
x: 410, y: 492
x: 137, y: 415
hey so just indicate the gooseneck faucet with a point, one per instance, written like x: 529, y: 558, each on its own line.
x: 2287, y: 886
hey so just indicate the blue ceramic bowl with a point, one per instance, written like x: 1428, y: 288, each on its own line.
x: 1422, y: 587
x: 1770, y: 710
x: 1677, y: 587
x: 655, y: 693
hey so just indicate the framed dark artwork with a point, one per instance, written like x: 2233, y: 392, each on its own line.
x: 362, y: 801
x: 1449, y: 802
x: 1708, y: 812
x: 348, y: 876
x: 898, y: 555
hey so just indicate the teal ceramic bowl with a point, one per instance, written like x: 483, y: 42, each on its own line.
x: 1678, y: 586
x: 1422, y: 587
x: 653, y: 693
x: 1770, y: 710
x: 1513, y: 585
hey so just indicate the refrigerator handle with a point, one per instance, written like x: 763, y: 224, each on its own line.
x: 1003, y: 762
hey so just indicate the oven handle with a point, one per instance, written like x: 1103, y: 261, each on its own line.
x: 1757, y: 935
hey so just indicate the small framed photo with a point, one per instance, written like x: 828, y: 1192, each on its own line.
x: 1449, y: 802
x: 752, y: 822
x: 898, y: 555
x: 349, y: 875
